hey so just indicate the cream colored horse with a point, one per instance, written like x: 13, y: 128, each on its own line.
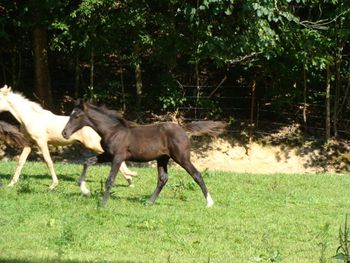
x: 43, y: 127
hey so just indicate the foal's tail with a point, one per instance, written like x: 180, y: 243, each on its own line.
x: 198, y: 128
x: 12, y: 134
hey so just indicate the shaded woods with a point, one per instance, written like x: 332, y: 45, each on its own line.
x: 244, y: 61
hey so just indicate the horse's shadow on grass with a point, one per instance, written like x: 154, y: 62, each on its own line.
x: 57, y: 260
x: 26, y: 182
x: 141, y: 199
x: 42, y: 176
x: 95, y: 191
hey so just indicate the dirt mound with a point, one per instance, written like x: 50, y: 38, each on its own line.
x: 227, y: 155
x: 284, y: 152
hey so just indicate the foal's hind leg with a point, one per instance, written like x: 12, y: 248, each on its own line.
x: 162, y: 177
x: 196, y: 175
x: 22, y: 159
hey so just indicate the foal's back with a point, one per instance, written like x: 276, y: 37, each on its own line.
x: 149, y: 142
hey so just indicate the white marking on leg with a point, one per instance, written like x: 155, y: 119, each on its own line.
x: 210, y: 201
x: 84, y: 189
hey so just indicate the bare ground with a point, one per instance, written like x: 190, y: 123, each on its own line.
x: 257, y: 158
x: 286, y: 151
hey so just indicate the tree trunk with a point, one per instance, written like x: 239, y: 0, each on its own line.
x: 41, y: 65
x: 123, y: 88
x: 92, y: 69
x: 252, y: 110
x: 336, y: 97
x: 305, y: 99
x: 198, y: 88
x: 328, y: 104
x: 77, y: 77
x: 138, y: 78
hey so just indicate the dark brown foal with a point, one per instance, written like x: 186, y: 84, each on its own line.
x: 124, y: 140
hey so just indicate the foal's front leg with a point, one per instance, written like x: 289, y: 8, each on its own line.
x: 82, y: 183
x: 22, y: 159
x: 106, y: 157
x: 45, y: 151
x: 110, y: 180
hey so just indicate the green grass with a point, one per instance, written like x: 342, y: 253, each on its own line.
x: 255, y: 218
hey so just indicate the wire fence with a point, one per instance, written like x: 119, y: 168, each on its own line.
x: 261, y: 115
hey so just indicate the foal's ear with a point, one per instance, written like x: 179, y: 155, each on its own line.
x: 78, y: 103
x: 5, y: 89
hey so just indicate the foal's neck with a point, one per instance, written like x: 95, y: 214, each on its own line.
x: 104, y: 125
x: 21, y: 108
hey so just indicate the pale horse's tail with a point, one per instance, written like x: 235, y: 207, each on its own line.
x: 12, y: 135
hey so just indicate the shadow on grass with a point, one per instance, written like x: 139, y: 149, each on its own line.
x: 141, y: 199
x: 24, y: 176
x: 57, y: 260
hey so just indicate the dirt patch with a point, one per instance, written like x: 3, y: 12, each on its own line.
x: 227, y: 155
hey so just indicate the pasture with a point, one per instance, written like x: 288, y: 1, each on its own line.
x: 255, y: 218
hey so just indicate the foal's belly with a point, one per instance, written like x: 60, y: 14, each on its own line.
x: 148, y: 152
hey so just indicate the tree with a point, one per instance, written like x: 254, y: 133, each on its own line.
x: 41, y: 64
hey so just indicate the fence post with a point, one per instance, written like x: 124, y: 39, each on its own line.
x: 252, y: 109
x: 328, y: 104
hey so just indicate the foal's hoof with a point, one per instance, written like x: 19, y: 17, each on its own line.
x: 149, y: 203
x: 53, y: 186
x: 131, y: 173
x: 210, y: 205
x: 84, y: 190
x: 130, y: 183
x: 11, y: 184
x: 86, y: 193
x: 210, y: 201
x: 102, y: 204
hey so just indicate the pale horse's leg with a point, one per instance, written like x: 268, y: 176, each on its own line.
x: 22, y: 159
x: 127, y: 173
x: 92, y: 141
x: 102, y: 158
x: 46, y: 154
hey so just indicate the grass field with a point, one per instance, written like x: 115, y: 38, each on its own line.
x: 255, y: 218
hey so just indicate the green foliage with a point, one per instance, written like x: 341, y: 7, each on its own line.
x: 271, y: 41
x: 171, y: 98
x: 324, y: 242
x: 25, y: 187
x: 343, y: 251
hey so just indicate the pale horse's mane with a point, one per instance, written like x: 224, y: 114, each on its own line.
x: 21, y: 99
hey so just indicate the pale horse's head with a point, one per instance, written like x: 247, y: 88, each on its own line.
x: 4, y: 92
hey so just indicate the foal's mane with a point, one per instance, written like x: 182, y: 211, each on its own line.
x: 113, y: 114
x: 33, y: 105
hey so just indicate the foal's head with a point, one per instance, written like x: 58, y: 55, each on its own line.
x: 98, y: 118
x: 77, y: 119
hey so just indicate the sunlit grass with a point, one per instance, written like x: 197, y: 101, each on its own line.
x: 255, y: 218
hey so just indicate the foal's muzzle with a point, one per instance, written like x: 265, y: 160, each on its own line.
x: 65, y: 135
